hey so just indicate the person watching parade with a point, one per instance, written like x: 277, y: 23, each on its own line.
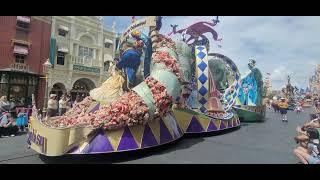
x: 52, y: 105
x: 129, y: 62
x: 309, y: 154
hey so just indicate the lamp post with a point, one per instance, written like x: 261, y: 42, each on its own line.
x: 46, y: 66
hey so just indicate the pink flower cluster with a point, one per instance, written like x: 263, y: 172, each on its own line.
x: 171, y: 63
x: 164, y: 41
x: 163, y: 101
x: 128, y: 110
x: 80, y: 107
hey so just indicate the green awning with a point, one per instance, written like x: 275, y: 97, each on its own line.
x: 52, y: 50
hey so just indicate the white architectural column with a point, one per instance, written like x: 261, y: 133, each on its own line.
x: 53, y: 27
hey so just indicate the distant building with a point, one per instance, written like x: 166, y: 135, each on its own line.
x: 80, y: 46
x: 24, y: 47
x: 314, y: 81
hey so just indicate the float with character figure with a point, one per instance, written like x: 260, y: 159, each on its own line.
x: 144, y: 116
x: 249, y: 105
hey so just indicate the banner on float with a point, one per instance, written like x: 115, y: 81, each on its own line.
x: 145, y: 22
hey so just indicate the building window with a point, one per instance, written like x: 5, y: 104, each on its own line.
x: 4, y: 84
x: 107, y: 45
x: 106, y: 65
x: 22, y: 25
x: 85, y: 52
x: 62, y: 33
x: 60, y: 58
x: 20, y: 58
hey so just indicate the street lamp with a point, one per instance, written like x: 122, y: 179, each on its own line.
x: 46, y: 66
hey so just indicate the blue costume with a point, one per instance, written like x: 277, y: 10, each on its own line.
x: 22, y: 119
x: 130, y: 61
x: 248, y: 93
x: 147, y: 51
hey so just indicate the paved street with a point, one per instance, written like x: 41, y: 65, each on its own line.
x: 268, y: 142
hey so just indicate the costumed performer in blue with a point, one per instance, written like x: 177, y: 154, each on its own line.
x: 129, y: 61
x: 140, y: 37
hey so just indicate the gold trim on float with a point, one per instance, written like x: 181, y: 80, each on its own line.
x: 155, y: 128
x: 204, y: 122
x: 137, y: 133
x: 183, y: 119
x: 167, y: 124
x: 225, y: 123
x: 217, y: 123
x: 114, y: 136
x: 81, y: 148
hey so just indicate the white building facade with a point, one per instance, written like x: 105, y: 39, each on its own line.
x: 80, y: 46
x: 314, y: 81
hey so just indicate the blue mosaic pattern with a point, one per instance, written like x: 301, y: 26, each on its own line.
x: 202, y: 66
x: 203, y: 109
x: 202, y: 76
x: 203, y: 100
x: 201, y: 55
x: 203, y: 91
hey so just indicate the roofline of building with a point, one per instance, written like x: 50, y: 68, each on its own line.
x: 47, y: 19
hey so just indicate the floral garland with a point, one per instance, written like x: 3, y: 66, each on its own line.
x: 168, y: 61
x: 80, y: 107
x: 128, y: 110
x: 164, y: 41
x: 163, y: 101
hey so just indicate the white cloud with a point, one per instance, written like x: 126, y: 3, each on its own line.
x: 281, y: 45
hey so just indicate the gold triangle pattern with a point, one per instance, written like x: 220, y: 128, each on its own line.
x: 225, y: 123
x: 155, y: 128
x: 137, y: 133
x: 217, y: 123
x: 204, y: 122
x: 183, y: 119
x: 115, y: 137
x: 167, y: 123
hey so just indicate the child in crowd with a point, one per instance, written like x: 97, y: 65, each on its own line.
x: 298, y: 108
x: 22, y: 121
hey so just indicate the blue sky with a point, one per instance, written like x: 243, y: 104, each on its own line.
x: 281, y: 45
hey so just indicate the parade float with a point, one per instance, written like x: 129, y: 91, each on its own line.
x: 206, y: 111
x: 249, y: 105
x: 151, y: 113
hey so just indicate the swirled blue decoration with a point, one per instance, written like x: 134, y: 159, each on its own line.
x: 248, y: 91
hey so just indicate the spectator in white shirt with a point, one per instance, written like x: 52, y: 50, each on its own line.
x: 62, y: 105
x: 52, y: 106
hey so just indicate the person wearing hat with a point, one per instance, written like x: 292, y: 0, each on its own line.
x: 52, y: 106
x: 129, y: 62
x: 283, y: 106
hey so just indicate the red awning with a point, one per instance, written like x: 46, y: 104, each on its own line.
x: 24, y: 19
x: 20, y: 50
